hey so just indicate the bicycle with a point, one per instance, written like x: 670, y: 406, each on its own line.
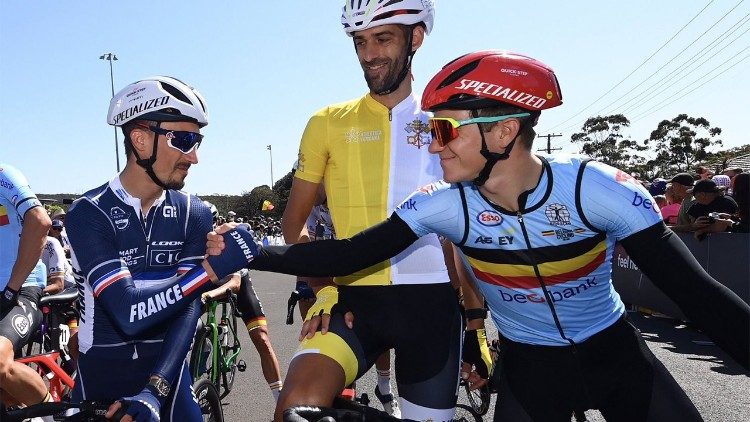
x: 216, y: 347
x: 353, y: 411
x: 53, y: 362
x: 88, y: 411
x: 208, y: 400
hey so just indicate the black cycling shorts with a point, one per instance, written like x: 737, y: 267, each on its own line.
x: 250, y: 306
x: 21, y: 322
x: 613, y: 371
x: 420, y: 322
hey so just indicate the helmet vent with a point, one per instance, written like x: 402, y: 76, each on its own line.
x: 458, y: 73
x: 176, y: 93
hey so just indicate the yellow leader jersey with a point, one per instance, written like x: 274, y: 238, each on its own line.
x: 370, y: 159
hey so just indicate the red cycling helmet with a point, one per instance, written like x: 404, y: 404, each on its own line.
x: 491, y: 78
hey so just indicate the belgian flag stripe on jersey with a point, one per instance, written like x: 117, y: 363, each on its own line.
x: 4, y: 220
x: 555, y: 253
x: 553, y: 272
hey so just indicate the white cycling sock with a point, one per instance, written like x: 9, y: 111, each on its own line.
x: 384, y: 381
x: 276, y: 389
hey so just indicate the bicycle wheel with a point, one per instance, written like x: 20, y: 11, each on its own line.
x: 230, y: 351
x: 208, y: 400
x: 479, y: 399
x: 465, y: 413
x: 201, y: 357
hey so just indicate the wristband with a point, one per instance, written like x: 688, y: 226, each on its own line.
x: 476, y: 313
x: 239, y: 250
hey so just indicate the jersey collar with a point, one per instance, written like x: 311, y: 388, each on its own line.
x: 116, y: 186
x: 407, y: 103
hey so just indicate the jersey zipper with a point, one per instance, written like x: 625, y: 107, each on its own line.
x: 539, y: 277
x: 390, y: 115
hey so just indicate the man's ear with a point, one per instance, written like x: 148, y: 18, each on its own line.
x: 503, y: 133
x: 417, y: 37
x: 139, y: 140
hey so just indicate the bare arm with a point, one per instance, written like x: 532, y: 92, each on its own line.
x: 36, y: 224
x: 55, y: 284
x: 233, y: 284
x: 302, y: 198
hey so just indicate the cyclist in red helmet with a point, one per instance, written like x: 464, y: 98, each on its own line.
x: 537, y: 234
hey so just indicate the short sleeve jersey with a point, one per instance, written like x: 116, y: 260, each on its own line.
x: 370, y: 158
x: 112, y: 239
x: 554, y: 254
x: 16, y: 198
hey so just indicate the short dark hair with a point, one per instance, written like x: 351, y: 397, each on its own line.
x: 526, y: 133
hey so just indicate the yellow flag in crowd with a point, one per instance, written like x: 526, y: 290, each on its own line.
x: 267, y: 205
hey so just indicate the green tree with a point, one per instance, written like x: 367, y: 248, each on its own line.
x: 682, y: 143
x: 602, y: 139
x: 253, y: 200
x: 282, y: 188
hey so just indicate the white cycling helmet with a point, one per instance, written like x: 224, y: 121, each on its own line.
x: 359, y: 15
x: 158, y: 98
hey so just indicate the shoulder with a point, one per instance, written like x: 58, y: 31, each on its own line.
x: 11, y: 174
x: 430, y: 198
x: 340, y: 109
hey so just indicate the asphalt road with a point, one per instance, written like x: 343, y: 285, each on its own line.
x: 717, y: 386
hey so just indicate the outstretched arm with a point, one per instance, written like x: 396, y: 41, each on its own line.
x: 710, y: 305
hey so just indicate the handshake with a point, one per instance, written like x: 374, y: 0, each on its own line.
x: 230, y: 248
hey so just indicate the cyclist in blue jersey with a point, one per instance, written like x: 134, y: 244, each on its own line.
x: 537, y: 235
x: 138, y: 244
x: 23, y: 232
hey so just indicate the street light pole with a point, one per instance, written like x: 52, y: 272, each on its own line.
x: 270, y: 153
x: 110, y: 57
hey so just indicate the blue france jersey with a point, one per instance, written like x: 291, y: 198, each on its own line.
x: 554, y: 254
x: 16, y: 198
x: 112, y: 242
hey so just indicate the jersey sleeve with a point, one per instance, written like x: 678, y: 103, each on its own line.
x: 313, y: 149
x: 614, y: 202
x: 199, y: 223
x: 15, y: 189
x: 96, y: 258
x: 435, y: 208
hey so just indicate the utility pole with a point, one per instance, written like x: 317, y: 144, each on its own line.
x: 110, y: 57
x: 270, y: 154
x: 549, y: 137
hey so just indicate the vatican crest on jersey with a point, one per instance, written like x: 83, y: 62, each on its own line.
x: 419, y: 133
x: 557, y: 214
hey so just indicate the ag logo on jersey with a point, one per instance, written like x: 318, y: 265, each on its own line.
x: 557, y: 214
x: 119, y: 217
x: 489, y: 218
x: 169, y: 211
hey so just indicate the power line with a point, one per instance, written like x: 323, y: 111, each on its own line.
x: 676, y: 80
x: 660, y: 106
x: 677, y: 55
x: 638, y: 67
x: 693, y: 42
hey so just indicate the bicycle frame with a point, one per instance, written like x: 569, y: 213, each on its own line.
x: 48, y: 367
x: 222, y: 363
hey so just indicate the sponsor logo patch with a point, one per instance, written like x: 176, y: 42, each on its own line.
x: 119, y: 217
x: 419, y: 133
x: 557, y: 214
x: 354, y: 136
x: 489, y: 218
x: 21, y: 325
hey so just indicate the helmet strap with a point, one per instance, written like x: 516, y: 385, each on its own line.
x: 491, y: 157
x: 148, y: 163
x: 409, y: 54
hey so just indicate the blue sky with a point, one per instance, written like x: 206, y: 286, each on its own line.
x: 264, y: 69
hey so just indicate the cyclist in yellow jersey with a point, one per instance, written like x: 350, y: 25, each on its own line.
x: 370, y: 153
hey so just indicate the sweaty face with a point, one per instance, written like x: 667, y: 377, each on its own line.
x: 172, y: 165
x: 381, y: 54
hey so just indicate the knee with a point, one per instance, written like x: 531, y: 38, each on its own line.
x: 260, y: 338
x: 6, y: 359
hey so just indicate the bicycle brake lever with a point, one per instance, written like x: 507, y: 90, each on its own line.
x: 290, y: 304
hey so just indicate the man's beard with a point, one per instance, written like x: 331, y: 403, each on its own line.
x: 174, y: 184
x: 390, y: 78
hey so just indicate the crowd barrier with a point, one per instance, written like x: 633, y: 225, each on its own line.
x: 726, y: 256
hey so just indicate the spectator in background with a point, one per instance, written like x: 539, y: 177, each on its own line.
x: 703, y: 173
x: 670, y: 211
x: 740, y: 222
x: 722, y: 181
x: 733, y: 172
x: 657, y: 187
x: 680, y: 185
x: 59, y: 214
x: 709, y: 198
x: 57, y: 231
x: 59, y: 271
x: 230, y: 216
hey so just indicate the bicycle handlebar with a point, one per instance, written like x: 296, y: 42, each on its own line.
x: 88, y: 411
